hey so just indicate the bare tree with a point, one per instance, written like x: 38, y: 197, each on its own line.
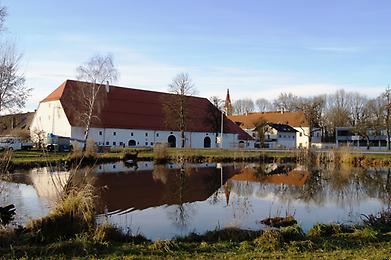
x: 286, y: 102
x: 176, y: 107
x: 387, y: 114
x: 97, y: 72
x: 261, y: 127
x: 243, y: 106
x: 264, y: 105
x: 313, y: 112
x: 213, y: 118
x: 13, y: 91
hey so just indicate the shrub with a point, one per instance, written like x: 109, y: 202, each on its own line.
x: 91, y: 149
x: 160, y: 153
x: 270, y: 239
x: 291, y: 233
x: 324, y: 230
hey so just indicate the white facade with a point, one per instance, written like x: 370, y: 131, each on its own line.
x: 280, y: 139
x: 51, y: 119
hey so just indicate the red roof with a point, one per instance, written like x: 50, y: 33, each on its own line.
x: 128, y: 108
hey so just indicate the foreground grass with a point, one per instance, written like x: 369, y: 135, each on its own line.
x: 358, y: 244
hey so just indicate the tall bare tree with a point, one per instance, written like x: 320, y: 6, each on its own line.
x: 213, y: 118
x: 13, y: 91
x: 264, y: 105
x: 313, y: 112
x: 286, y: 102
x: 243, y: 106
x: 97, y: 72
x: 387, y: 115
x: 176, y: 108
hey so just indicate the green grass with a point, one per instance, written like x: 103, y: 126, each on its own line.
x: 33, y: 158
x: 270, y: 244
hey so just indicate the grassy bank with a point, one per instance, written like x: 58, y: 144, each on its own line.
x: 27, y: 159
x: 325, y: 241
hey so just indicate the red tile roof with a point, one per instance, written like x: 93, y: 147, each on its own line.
x: 129, y: 108
x: 294, y: 119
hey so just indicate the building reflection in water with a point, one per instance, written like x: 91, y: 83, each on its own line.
x: 162, y: 201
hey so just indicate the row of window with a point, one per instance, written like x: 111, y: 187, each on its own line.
x: 123, y: 144
x: 286, y: 136
x: 131, y: 134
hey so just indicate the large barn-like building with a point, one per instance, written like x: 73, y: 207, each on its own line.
x: 128, y: 117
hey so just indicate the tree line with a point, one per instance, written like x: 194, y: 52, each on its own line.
x: 328, y: 111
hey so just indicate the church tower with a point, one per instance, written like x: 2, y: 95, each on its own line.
x: 228, y: 105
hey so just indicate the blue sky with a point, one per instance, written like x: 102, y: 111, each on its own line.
x: 254, y: 48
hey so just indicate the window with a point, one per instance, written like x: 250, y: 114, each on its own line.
x: 157, y: 134
x: 146, y: 143
x: 279, y: 136
x: 151, y: 143
x: 301, y: 134
x: 114, y: 166
x: 114, y: 133
x: 100, y: 133
x: 114, y: 143
x: 107, y: 143
x: 121, y: 143
x: 131, y: 134
x: 146, y: 134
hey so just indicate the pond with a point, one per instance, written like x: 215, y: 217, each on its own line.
x: 165, y: 201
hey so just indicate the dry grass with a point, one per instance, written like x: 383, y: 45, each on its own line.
x: 74, y: 214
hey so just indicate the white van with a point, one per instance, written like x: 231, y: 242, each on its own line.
x: 14, y: 144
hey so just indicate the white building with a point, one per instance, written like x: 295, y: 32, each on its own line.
x: 131, y: 118
x: 280, y: 136
x: 296, y: 120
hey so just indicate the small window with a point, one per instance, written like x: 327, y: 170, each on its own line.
x: 107, y: 143
x: 131, y: 134
x: 146, y: 134
x: 146, y: 143
x: 114, y: 166
x: 114, y: 143
x: 121, y: 143
x: 301, y: 134
x: 100, y: 133
x: 157, y: 134
x: 114, y: 133
x: 151, y: 143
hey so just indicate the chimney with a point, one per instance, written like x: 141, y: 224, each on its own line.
x: 107, y: 87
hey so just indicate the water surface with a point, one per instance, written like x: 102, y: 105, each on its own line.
x: 164, y: 201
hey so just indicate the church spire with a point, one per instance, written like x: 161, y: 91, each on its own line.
x: 228, y: 105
